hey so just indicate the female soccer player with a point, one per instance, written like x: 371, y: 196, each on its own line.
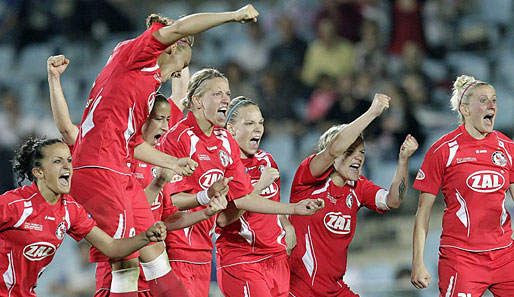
x: 201, y: 136
x: 251, y: 251
x: 473, y: 168
x: 318, y: 263
x: 35, y: 218
x: 110, y: 136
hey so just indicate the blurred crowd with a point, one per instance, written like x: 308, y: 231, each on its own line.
x: 308, y: 64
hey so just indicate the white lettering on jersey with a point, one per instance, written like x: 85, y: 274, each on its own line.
x: 210, y: 177
x: 463, y: 294
x: 38, y: 251
x: 268, y: 192
x: 338, y: 223
x: 485, y: 181
x: 151, y: 101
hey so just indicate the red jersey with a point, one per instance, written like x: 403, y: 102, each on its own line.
x: 473, y: 176
x: 176, y: 115
x: 119, y: 103
x: 31, y: 230
x: 319, y: 259
x: 254, y: 237
x: 162, y: 206
x: 217, y: 156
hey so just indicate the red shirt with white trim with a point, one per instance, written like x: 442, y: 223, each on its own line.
x: 122, y: 96
x: 319, y: 259
x: 176, y: 115
x: 217, y: 156
x: 31, y: 230
x: 473, y: 176
x: 254, y: 236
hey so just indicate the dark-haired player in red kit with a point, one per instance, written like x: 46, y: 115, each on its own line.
x: 110, y: 136
x: 318, y: 263
x: 473, y: 168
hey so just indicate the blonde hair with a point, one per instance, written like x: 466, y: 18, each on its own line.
x: 166, y: 21
x: 196, y: 85
x: 462, y: 89
x: 327, y: 137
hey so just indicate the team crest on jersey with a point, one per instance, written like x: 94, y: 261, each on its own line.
x: 176, y: 178
x: 151, y: 101
x: 223, y: 158
x: 154, y: 172
x: 420, y: 175
x: 61, y: 230
x: 261, y: 168
x: 499, y: 158
x: 349, y: 201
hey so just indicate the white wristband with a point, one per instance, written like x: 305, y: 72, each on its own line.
x: 203, y: 198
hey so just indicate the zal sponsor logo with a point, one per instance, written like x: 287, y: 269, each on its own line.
x: 270, y: 191
x: 338, y: 223
x: 210, y: 177
x: 38, y: 251
x: 485, y: 181
x: 156, y: 204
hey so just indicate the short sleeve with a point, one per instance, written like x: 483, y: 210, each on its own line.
x: 241, y: 185
x: 144, y: 50
x: 304, y: 179
x: 10, y: 214
x: 367, y: 192
x: 176, y: 115
x: 167, y: 205
x: 81, y: 223
x: 430, y: 175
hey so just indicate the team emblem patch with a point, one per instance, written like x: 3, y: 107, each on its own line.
x: 349, y: 201
x: 151, y: 101
x: 420, y: 175
x: 61, y: 230
x: 154, y: 172
x: 499, y: 158
x: 223, y: 158
x: 261, y: 168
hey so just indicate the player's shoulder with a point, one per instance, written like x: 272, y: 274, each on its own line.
x: 446, y: 141
x: 21, y: 195
x: 178, y: 131
x: 70, y: 202
x: 502, y: 137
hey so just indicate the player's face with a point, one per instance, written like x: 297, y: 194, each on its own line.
x: 172, y: 64
x: 215, y: 101
x: 55, y: 171
x: 349, y: 164
x: 482, y: 110
x: 248, y: 129
x: 157, y: 123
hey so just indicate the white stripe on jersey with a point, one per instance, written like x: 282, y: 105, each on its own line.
x: 503, y: 216
x: 246, y: 289
x: 150, y: 69
x: 194, y: 141
x: 246, y: 232
x: 454, y: 147
x: 121, y: 227
x: 322, y: 189
x: 282, y: 233
x: 502, y: 145
x: 447, y: 142
x: 10, y: 274
x: 27, y: 211
x: 222, y: 135
x: 451, y: 287
x: 356, y: 198
x: 463, y: 213
x: 309, y: 258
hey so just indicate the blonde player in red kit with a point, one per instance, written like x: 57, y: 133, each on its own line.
x: 318, y: 263
x: 35, y: 218
x: 472, y: 166
x: 201, y: 136
x: 251, y: 249
x: 110, y: 136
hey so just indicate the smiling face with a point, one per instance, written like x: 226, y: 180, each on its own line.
x: 248, y: 129
x: 480, y: 112
x: 212, y: 105
x: 157, y: 123
x: 55, y: 171
x: 349, y: 165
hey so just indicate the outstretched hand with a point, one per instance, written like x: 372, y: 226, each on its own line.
x: 409, y: 146
x: 156, y: 232
x: 308, y: 207
x: 246, y: 14
x: 56, y: 65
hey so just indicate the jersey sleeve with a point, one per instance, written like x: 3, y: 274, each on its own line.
x: 144, y: 50
x: 368, y: 192
x: 167, y: 206
x: 241, y: 185
x: 304, y: 179
x: 176, y: 115
x: 430, y: 176
x: 10, y: 213
x: 81, y: 223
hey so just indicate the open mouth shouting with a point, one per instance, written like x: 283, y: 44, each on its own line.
x: 488, y: 118
x: 64, y: 179
x: 355, y: 167
x: 222, y: 114
x: 254, y: 142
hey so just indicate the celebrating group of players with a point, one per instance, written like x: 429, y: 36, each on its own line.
x: 140, y: 167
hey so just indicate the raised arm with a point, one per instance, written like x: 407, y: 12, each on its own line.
x: 180, y: 220
x: 401, y: 176
x: 199, y: 22
x: 120, y: 248
x: 179, y: 88
x: 420, y: 277
x: 347, y: 136
x: 256, y: 203
x: 56, y: 65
